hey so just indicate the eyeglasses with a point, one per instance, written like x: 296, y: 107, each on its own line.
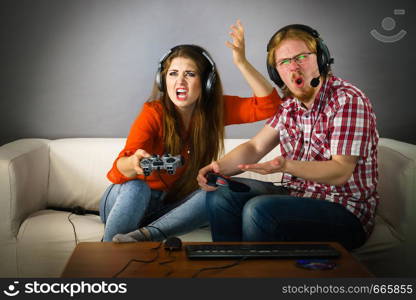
x: 299, y: 59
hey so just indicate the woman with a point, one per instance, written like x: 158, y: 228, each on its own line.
x: 188, y: 120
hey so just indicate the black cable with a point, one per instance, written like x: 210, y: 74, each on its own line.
x: 220, y: 267
x: 139, y: 260
x: 151, y: 226
x: 281, y: 182
x: 105, y: 203
x: 73, y: 227
x: 173, y: 258
x: 320, y: 107
x: 164, y: 263
x: 161, y: 179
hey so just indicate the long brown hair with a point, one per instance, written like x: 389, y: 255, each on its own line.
x: 205, y: 137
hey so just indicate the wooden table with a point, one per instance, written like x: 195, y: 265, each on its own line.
x: 107, y: 259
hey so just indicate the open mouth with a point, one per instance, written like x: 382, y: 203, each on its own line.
x: 299, y: 81
x: 181, y: 93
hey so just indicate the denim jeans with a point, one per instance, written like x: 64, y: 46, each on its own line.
x: 128, y: 206
x: 277, y: 216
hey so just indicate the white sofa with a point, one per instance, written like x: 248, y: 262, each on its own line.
x: 39, y: 173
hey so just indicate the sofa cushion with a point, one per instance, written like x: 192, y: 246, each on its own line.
x: 381, y: 239
x: 44, y: 249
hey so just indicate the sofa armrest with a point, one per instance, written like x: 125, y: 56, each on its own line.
x: 397, y: 186
x: 24, y: 169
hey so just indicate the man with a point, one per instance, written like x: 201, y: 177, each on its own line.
x: 328, y: 139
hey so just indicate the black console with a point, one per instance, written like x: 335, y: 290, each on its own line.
x: 215, y: 251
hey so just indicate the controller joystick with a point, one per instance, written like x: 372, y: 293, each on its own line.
x: 215, y: 179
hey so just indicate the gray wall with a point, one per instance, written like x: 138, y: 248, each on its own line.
x: 84, y: 68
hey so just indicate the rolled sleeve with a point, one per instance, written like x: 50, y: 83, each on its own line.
x: 240, y: 110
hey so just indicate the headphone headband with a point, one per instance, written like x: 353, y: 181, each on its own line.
x: 209, y: 83
x: 324, y: 59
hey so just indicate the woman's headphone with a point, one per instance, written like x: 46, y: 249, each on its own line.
x: 211, y: 77
x: 322, y: 53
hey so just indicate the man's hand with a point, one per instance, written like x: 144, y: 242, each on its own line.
x: 238, y: 44
x: 201, y: 178
x: 268, y: 167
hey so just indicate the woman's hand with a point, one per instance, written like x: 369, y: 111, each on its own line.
x: 134, y: 160
x: 260, y: 85
x: 238, y: 43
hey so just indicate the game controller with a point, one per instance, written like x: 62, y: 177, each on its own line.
x: 165, y: 162
x: 215, y: 179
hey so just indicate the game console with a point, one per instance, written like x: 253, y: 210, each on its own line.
x: 165, y: 162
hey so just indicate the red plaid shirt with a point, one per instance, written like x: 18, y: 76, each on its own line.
x: 341, y: 122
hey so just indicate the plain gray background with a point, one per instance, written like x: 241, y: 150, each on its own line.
x: 84, y: 68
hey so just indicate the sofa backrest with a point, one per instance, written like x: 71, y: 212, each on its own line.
x: 78, y: 169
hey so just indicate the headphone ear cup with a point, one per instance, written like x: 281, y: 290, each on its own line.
x: 210, y: 83
x: 323, y: 57
x: 274, y: 75
x: 159, y: 80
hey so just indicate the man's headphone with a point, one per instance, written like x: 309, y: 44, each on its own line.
x: 207, y: 84
x: 322, y: 53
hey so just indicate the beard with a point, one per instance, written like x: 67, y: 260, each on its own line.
x: 305, y: 95
x: 306, y: 92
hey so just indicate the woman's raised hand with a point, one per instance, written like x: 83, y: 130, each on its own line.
x: 238, y: 43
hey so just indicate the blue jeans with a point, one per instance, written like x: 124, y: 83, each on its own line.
x: 277, y: 216
x: 128, y: 206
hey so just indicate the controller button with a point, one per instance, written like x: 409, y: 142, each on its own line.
x: 221, y: 181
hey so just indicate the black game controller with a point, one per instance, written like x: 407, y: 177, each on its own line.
x: 165, y: 162
x: 215, y: 179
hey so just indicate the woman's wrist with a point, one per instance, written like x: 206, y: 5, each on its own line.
x: 242, y: 63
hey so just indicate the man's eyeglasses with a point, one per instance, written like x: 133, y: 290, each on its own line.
x: 299, y: 59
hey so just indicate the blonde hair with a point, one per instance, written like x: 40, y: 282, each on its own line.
x: 290, y: 34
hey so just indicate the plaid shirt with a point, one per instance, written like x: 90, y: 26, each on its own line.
x: 341, y: 122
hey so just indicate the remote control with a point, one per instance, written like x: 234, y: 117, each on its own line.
x: 215, y: 179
